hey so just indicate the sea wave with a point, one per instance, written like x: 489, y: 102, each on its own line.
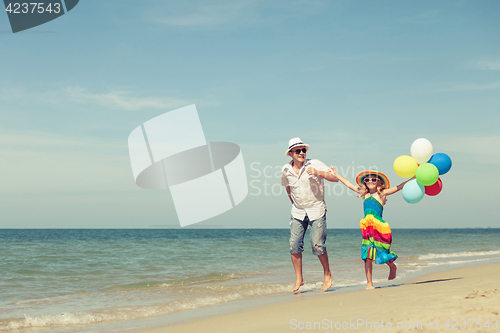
x: 221, y: 295
x: 214, y: 277
x: 457, y: 254
x: 441, y: 263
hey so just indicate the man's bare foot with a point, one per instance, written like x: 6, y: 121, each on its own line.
x: 297, y: 285
x: 370, y: 287
x: 328, y: 281
x: 392, y: 272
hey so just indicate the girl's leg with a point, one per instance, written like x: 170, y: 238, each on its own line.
x: 368, y: 271
x: 392, y: 272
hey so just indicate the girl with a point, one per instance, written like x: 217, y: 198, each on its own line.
x: 377, y: 237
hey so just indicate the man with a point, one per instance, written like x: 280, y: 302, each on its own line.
x: 303, y: 179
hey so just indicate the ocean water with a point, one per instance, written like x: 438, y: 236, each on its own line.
x: 103, y: 280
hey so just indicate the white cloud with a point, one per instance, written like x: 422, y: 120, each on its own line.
x: 43, y: 163
x: 421, y: 19
x: 482, y: 149
x: 229, y: 13
x: 313, y: 69
x: 9, y: 92
x: 474, y: 86
x: 203, y: 14
x: 123, y: 100
x: 115, y: 99
x: 489, y: 65
x: 45, y: 141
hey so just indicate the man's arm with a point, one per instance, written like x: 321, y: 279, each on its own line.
x: 323, y: 174
x: 284, y: 182
x: 289, y: 192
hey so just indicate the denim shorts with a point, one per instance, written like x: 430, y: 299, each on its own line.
x: 317, y: 231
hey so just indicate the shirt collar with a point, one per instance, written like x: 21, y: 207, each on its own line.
x: 307, y: 161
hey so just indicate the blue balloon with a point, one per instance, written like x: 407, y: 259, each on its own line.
x: 413, y: 191
x: 442, y: 162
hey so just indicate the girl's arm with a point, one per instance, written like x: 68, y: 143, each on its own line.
x: 344, y: 181
x: 398, y: 188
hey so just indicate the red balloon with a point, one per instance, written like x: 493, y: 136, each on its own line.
x: 435, y: 188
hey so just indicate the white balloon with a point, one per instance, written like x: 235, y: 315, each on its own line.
x: 421, y: 150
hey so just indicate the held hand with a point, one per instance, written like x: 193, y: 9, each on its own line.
x: 311, y: 171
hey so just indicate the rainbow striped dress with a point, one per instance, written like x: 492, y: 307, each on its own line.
x: 377, y: 235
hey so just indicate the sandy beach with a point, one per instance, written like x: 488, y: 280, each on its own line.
x: 465, y: 299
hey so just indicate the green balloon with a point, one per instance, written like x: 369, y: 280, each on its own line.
x: 427, y: 174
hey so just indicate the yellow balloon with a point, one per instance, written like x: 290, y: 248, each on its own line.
x: 405, y: 166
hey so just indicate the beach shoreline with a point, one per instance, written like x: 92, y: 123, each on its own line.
x: 463, y: 298
x: 154, y: 282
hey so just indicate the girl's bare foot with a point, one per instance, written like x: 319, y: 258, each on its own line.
x: 370, y: 287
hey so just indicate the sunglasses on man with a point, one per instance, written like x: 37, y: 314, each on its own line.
x: 297, y: 151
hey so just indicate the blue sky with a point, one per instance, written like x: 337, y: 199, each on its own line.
x: 357, y: 80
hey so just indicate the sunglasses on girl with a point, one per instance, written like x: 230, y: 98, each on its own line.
x: 297, y: 151
x: 373, y: 180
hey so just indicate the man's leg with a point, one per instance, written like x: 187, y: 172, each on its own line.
x: 318, y: 240
x: 327, y: 283
x: 297, y: 266
x: 297, y: 232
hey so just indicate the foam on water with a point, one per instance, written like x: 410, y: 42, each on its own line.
x: 219, y: 294
x: 214, y: 277
x: 458, y: 254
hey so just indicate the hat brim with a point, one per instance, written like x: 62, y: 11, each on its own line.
x: 363, y: 174
x: 297, y: 145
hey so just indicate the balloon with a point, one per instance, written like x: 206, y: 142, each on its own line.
x: 435, y: 188
x: 421, y: 150
x: 405, y: 166
x: 442, y: 162
x: 413, y: 191
x: 427, y: 174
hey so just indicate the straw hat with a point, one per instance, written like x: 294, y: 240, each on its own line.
x: 361, y: 176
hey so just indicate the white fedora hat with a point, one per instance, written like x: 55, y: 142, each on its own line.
x: 294, y: 143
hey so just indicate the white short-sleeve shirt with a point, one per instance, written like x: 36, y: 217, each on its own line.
x: 307, y: 191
